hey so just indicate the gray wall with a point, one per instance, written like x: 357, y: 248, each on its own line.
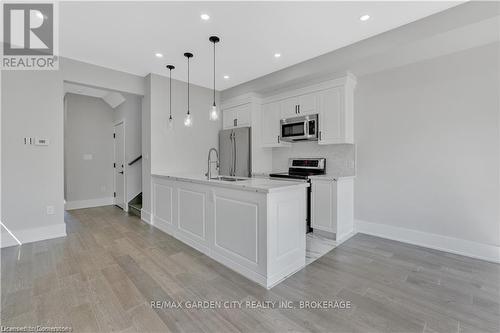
x: 88, y: 131
x: 32, y: 105
x: 428, y: 146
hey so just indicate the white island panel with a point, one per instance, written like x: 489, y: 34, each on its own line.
x: 257, y: 230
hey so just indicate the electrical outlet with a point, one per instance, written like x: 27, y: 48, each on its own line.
x: 50, y: 210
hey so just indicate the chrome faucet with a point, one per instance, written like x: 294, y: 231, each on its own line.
x: 209, y: 171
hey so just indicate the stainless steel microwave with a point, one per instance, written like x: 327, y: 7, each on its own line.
x: 301, y: 128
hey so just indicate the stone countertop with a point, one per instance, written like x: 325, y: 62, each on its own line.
x: 264, y: 185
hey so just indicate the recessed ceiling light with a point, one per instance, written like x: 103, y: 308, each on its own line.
x: 205, y: 17
x: 226, y: 77
x: 365, y: 17
x: 159, y: 55
x: 277, y: 55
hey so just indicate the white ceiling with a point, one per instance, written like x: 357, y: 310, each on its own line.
x: 126, y: 35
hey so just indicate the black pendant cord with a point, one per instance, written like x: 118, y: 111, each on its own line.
x: 170, y: 67
x: 170, y: 99
x: 188, y: 55
x: 214, y: 40
x: 214, y: 74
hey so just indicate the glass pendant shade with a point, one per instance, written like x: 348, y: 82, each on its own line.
x: 213, y: 113
x: 170, y: 122
x: 188, y: 120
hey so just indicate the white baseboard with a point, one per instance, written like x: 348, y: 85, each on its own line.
x: 79, y: 204
x: 146, y: 216
x: 6, y: 239
x: 39, y: 234
x: 433, y: 241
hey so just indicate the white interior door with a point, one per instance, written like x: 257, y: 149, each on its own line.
x: 119, y: 166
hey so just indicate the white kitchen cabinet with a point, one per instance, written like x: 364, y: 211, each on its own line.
x: 336, y: 120
x: 237, y: 116
x: 333, y: 102
x: 258, y: 233
x: 299, y: 106
x: 332, y: 206
x: 289, y: 107
x: 270, y: 129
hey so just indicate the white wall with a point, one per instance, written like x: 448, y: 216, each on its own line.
x: 340, y: 159
x: 130, y: 111
x: 88, y: 131
x: 32, y: 176
x: 428, y: 146
x: 182, y: 149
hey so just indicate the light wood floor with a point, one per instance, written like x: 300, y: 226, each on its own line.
x: 104, y: 274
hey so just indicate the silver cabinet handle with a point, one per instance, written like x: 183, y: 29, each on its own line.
x: 298, y: 109
x: 278, y: 139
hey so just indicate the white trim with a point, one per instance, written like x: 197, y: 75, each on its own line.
x: 7, y: 239
x: 40, y: 234
x: 433, y: 241
x: 79, y: 204
x: 348, y: 78
x: 241, y: 100
x: 146, y: 216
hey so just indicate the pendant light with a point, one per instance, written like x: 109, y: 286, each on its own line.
x: 188, y: 121
x: 213, y: 113
x: 170, y: 119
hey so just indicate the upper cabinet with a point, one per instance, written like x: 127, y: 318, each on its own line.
x: 237, y: 116
x: 299, y: 106
x: 331, y: 100
x: 270, y: 125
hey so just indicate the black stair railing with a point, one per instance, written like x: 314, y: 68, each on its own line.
x: 135, y: 160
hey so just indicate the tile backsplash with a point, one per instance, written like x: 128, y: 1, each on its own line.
x: 340, y: 158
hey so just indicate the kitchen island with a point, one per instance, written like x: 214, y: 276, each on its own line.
x: 255, y: 226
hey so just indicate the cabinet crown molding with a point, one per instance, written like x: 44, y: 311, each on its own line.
x: 347, y: 80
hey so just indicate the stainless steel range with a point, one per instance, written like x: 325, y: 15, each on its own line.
x: 303, y: 168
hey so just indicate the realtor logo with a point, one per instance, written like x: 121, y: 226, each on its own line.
x: 29, y: 36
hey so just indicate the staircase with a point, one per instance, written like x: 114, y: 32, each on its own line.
x: 135, y: 205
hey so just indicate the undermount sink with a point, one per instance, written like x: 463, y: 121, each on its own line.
x: 228, y: 179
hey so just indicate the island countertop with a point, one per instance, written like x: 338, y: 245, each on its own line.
x: 263, y: 185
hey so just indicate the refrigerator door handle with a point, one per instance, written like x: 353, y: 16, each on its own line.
x: 232, y: 158
x: 234, y: 155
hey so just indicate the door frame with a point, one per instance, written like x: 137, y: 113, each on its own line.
x: 125, y: 202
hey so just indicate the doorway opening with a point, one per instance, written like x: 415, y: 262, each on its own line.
x: 102, y: 148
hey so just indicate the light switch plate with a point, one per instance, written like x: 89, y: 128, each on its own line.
x: 87, y: 157
x: 50, y: 210
x: 41, y: 142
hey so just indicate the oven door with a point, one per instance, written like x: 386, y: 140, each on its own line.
x: 299, y: 128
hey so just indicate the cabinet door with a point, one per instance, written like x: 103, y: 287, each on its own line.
x: 271, y: 124
x: 323, y: 205
x: 307, y: 104
x: 243, y: 115
x: 331, y: 116
x: 289, y: 107
x: 228, y: 117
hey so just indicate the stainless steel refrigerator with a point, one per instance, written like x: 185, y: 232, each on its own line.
x: 234, y: 152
